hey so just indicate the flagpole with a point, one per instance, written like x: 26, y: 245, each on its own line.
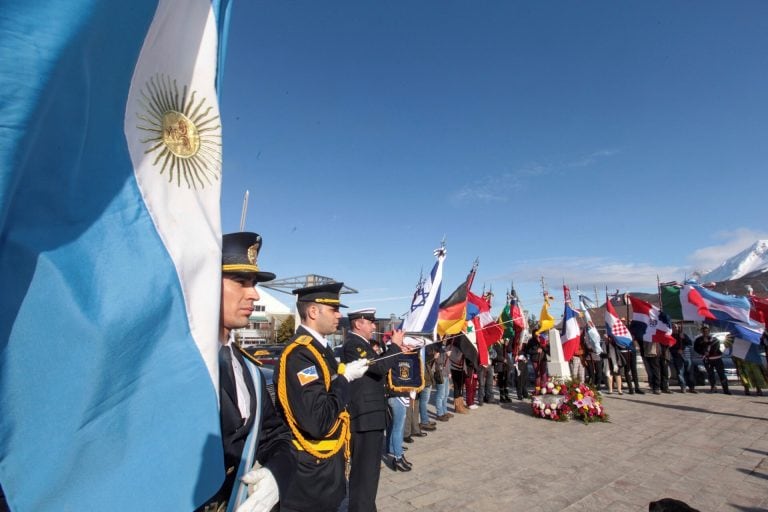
x: 658, y: 287
x: 245, y: 209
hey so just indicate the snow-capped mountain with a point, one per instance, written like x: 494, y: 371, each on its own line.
x: 754, y: 257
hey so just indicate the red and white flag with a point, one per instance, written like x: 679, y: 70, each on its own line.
x: 657, y: 325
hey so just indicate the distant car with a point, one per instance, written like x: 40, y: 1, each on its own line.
x: 268, y: 372
x: 265, y: 354
x: 700, y: 371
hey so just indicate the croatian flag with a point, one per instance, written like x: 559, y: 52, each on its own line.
x: 110, y: 254
x: 616, y: 327
x: 571, y: 333
x: 426, y: 303
x: 652, y: 324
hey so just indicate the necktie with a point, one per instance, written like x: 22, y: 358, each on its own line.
x: 227, y: 378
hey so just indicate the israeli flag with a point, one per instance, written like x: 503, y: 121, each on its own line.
x: 110, y: 257
x: 422, y: 316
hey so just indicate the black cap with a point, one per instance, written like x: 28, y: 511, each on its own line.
x: 368, y: 314
x: 327, y: 294
x: 239, y: 252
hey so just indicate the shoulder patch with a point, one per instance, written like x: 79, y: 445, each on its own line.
x: 307, y: 375
x: 361, y: 351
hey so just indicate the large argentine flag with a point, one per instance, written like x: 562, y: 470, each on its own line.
x: 110, y: 163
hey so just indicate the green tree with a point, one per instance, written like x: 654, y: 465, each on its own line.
x: 285, y: 330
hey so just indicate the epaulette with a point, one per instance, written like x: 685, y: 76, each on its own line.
x: 250, y: 357
x: 304, y: 340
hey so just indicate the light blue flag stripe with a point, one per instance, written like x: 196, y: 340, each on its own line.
x: 106, y: 402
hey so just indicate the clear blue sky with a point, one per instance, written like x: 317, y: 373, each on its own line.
x: 596, y: 143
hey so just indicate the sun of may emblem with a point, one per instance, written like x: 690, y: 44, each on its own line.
x: 185, y: 133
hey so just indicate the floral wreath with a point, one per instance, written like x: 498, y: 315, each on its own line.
x: 561, y: 400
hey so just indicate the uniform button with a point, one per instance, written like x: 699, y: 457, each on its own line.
x: 230, y: 470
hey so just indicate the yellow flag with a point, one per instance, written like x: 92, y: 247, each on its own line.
x: 546, y: 322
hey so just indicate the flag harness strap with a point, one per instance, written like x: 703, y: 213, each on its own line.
x: 325, y: 448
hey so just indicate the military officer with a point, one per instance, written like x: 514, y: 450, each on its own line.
x: 249, y: 421
x: 313, y: 392
x: 367, y: 408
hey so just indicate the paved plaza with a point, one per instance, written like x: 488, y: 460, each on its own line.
x: 709, y: 450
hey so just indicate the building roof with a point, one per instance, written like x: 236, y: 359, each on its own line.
x: 271, y: 305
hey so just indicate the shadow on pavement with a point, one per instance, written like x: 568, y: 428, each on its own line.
x: 695, y: 409
x: 747, y: 509
x: 752, y: 473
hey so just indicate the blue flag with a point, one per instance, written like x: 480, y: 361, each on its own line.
x: 110, y: 257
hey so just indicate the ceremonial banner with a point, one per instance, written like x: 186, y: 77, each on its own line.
x: 407, y: 373
x: 110, y: 171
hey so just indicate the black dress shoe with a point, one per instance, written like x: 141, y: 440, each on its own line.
x: 408, y: 439
x: 639, y: 391
x: 406, y: 461
x: 399, y: 465
x: 419, y: 434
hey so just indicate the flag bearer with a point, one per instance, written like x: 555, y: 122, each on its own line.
x: 313, y: 392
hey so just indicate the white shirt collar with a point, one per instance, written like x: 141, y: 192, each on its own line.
x: 316, y: 335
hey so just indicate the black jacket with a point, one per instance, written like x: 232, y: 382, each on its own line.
x: 273, y: 450
x: 368, y: 402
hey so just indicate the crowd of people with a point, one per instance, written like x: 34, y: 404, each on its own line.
x: 332, y: 422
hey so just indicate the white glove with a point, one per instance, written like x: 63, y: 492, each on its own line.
x: 263, y: 493
x: 355, y: 369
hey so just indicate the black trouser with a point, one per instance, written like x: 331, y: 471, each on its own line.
x: 521, y: 379
x: 716, y: 365
x: 457, y: 376
x: 630, y: 370
x: 654, y: 372
x: 319, y: 485
x: 594, y: 372
x: 365, y: 470
x: 664, y: 368
x: 502, y: 379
